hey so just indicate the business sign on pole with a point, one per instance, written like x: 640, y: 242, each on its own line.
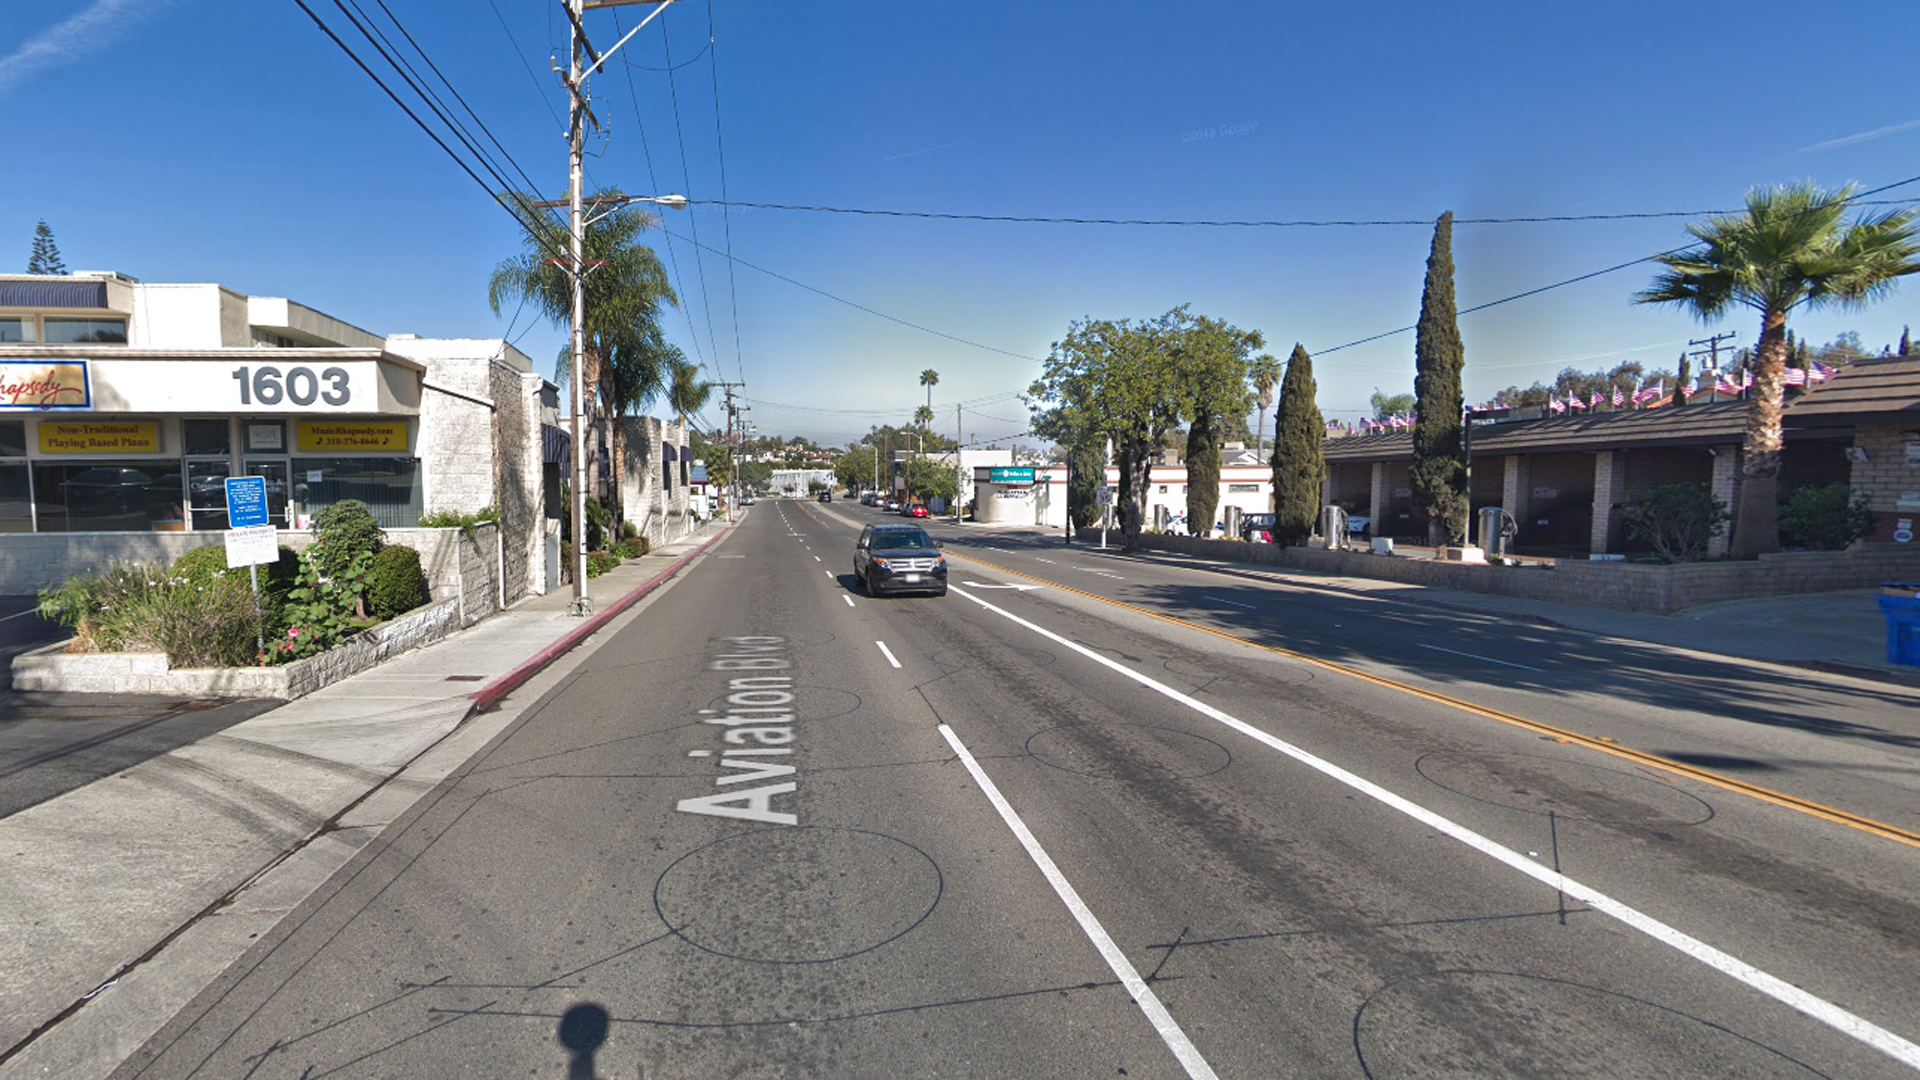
x: 1014, y: 474
x: 246, y: 501
x: 254, y: 545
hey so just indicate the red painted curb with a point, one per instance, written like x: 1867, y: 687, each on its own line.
x: 487, y: 696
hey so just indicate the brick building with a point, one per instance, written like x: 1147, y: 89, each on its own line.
x: 1567, y: 481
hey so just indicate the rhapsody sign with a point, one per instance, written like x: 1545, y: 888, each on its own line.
x: 45, y: 384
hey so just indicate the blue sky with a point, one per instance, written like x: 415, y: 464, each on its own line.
x: 195, y: 140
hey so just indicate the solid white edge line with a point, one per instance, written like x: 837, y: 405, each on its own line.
x: 1475, y: 656
x: 888, y: 653
x: 1123, y: 969
x: 1902, y: 1050
x: 847, y: 598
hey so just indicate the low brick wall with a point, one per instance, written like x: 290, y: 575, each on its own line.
x: 53, y: 669
x: 1650, y: 587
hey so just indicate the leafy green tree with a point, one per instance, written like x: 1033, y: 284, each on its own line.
x: 856, y: 469
x: 1299, y: 467
x: 1211, y: 359
x: 625, y: 359
x: 1386, y: 405
x: 1791, y: 248
x: 1438, y: 474
x: 45, y: 258
x: 931, y: 480
x: 1113, y: 379
x: 1265, y: 372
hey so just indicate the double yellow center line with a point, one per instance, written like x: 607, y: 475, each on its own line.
x: 1606, y: 746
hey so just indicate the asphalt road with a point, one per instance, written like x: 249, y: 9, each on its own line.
x: 778, y: 828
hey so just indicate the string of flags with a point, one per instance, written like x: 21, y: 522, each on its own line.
x: 1617, y: 397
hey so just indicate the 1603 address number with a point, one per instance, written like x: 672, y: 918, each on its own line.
x: 267, y: 386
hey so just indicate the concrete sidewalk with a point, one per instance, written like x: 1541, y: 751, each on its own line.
x: 119, y: 900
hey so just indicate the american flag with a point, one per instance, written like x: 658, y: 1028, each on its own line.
x: 1597, y: 399
x: 1796, y: 376
x: 1818, y: 372
x: 1574, y: 402
x: 1619, y: 398
x: 1555, y: 405
x: 1687, y: 390
x: 1724, y: 385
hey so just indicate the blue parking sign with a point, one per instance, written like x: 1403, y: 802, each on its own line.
x: 246, y: 501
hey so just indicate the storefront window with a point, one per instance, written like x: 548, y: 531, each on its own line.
x: 109, y: 496
x: 15, y: 328
x: 389, y: 486
x: 205, y: 438
x: 207, y: 493
x: 86, y: 331
x: 16, y: 509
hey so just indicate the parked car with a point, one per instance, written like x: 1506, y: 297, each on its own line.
x: 1257, y: 528
x: 891, y: 505
x: 826, y: 496
x: 899, y: 558
x: 1357, y: 524
x: 914, y: 510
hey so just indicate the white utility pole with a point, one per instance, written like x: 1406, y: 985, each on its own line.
x: 576, y: 253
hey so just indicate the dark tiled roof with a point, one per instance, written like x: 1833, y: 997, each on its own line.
x: 1865, y: 389
x: 1692, y: 425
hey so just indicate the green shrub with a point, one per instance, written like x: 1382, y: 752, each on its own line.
x: 598, y: 518
x: 198, y: 621
x: 322, y: 610
x: 396, y: 584
x: 629, y: 531
x: 632, y: 548
x: 1677, y: 520
x: 599, y: 562
x: 202, y: 564
x: 343, y: 531
x: 455, y: 519
x: 1826, y: 517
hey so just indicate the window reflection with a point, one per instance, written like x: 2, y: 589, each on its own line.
x: 109, y: 496
x: 85, y: 331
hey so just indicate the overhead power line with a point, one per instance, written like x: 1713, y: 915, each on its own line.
x: 1857, y: 200
x: 1295, y: 223
x: 850, y: 303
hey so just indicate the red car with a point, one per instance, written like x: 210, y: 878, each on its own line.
x: 915, y: 510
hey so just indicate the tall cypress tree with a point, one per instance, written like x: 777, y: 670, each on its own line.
x: 1203, y: 474
x: 1299, y: 469
x: 46, y: 254
x: 1681, y: 379
x: 1088, y: 471
x: 1439, y: 470
x: 1906, y: 343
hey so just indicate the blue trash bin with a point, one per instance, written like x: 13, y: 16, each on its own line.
x: 1900, y: 603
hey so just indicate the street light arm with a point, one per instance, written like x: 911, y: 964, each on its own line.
x: 616, y: 45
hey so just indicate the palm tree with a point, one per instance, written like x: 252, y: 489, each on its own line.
x: 1790, y: 249
x: 624, y: 352
x: 927, y: 379
x: 689, y: 392
x: 1266, y: 375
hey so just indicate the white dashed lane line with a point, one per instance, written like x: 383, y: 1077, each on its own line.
x: 847, y: 598
x: 1487, y: 659
x: 888, y: 653
x: 1230, y: 603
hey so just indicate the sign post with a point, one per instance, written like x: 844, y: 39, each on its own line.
x: 251, y: 539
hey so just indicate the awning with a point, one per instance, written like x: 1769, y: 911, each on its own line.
x: 556, y: 448
x: 668, y: 452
